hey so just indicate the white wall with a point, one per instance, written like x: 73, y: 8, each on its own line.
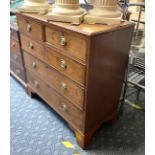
x: 81, y: 1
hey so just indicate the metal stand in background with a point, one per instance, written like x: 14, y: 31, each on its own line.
x: 135, y: 77
x: 126, y: 4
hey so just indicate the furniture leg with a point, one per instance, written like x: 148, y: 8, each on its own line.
x: 29, y: 91
x: 84, y: 140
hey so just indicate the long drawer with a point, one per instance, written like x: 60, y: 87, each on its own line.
x: 67, y: 66
x: 56, y: 101
x: 18, y: 70
x: 63, y: 85
x: 70, y: 43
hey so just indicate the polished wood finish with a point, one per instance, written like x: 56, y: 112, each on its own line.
x: 62, y: 84
x: 33, y: 47
x: 16, y: 59
x: 56, y: 101
x: 90, y: 60
x: 106, y: 75
x: 30, y: 28
x: 60, y: 62
x: 84, y: 30
x: 74, y: 45
x: 69, y: 67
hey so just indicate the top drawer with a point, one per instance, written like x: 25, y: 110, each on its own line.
x: 71, y: 44
x: 31, y: 28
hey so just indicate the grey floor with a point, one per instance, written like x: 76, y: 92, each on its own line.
x: 37, y: 130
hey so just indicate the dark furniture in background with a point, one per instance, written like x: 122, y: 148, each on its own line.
x: 16, y: 58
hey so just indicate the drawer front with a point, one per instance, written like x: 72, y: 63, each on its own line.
x: 32, y: 47
x: 31, y: 28
x: 56, y: 101
x: 17, y: 58
x: 56, y: 80
x: 73, y: 45
x: 14, y: 34
x: 18, y: 70
x: 70, y: 68
x: 14, y: 46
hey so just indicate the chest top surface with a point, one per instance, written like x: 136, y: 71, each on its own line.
x: 85, y: 29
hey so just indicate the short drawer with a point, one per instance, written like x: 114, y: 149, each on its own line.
x: 56, y: 101
x: 18, y: 70
x: 16, y: 57
x: 32, y: 47
x: 14, y: 34
x: 63, y: 85
x: 14, y: 46
x: 31, y: 28
x: 71, y: 44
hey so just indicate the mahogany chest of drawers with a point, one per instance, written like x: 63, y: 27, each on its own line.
x: 77, y: 70
x: 16, y: 59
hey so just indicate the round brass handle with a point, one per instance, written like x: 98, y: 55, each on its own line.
x: 36, y: 84
x: 64, y: 107
x: 30, y: 45
x: 13, y: 44
x: 34, y: 65
x: 17, y: 71
x: 63, y: 41
x: 63, y: 86
x: 15, y: 57
x: 63, y: 63
x: 28, y: 27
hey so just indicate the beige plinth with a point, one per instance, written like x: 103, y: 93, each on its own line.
x: 67, y: 11
x: 34, y: 6
x: 104, y: 12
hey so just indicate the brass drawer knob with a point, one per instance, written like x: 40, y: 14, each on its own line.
x: 28, y: 27
x: 63, y: 64
x: 63, y: 86
x: 63, y: 41
x: 13, y: 44
x: 36, y: 84
x: 15, y: 57
x: 34, y: 65
x: 17, y: 71
x: 64, y: 107
x: 30, y: 45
